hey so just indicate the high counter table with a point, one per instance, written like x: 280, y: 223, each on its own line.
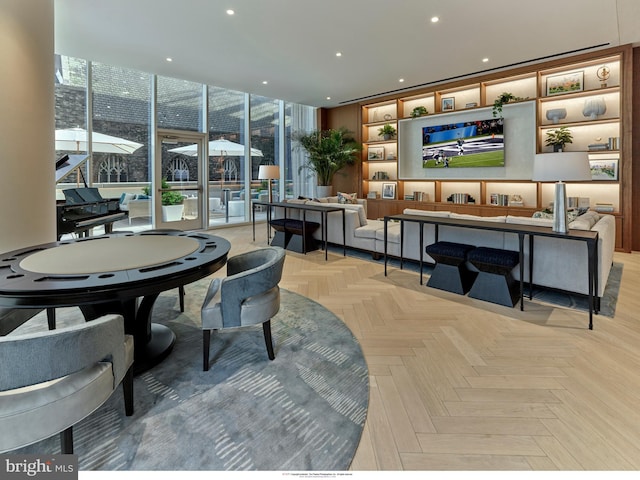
x: 587, y: 236
x: 107, y: 274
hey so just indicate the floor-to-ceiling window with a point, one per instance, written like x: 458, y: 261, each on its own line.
x: 121, y: 107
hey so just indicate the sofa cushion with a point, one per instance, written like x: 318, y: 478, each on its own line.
x: 125, y: 198
x: 430, y: 213
x: 358, y: 208
x: 393, y: 233
x: 585, y: 221
x: 347, y: 197
x: 297, y: 201
x: 539, y: 222
x: 464, y: 216
x: 367, y: 231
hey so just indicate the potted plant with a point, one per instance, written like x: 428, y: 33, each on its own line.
x: 387, y: 131
x: 328, y: 151
x: 172, y: 204
x: 505, y: 97
x: 558, y: 138
x: 419, y: 111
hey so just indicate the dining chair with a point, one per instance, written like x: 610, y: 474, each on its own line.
x: 50, y: 380
x: 249, y: 295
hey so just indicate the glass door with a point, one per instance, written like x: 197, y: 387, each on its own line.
x: 179, y: 180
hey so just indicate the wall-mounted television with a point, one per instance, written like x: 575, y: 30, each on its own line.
x: 477, y: 143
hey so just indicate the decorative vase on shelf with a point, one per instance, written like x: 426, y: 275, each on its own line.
x: 556, y: 114
x: 594, y: 107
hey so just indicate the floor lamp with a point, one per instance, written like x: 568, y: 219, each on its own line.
x: 560, y: 167
x: 268, y: 173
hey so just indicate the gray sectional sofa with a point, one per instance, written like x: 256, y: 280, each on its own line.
x: 559, y: 264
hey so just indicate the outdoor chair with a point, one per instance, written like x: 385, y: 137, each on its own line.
x: 249, y: 295
x: 50, y: 380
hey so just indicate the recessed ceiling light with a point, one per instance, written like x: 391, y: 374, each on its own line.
x: 401, y: 80
x: 169, y: 59
x: 328, y: 98
x: 435, y: 19
x: 264, y: 82
x: 230, y: 12
x: 485, y: 60
x: 338, y: 54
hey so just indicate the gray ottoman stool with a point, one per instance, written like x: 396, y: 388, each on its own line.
x: 495, y: 282
x: 450, y: 272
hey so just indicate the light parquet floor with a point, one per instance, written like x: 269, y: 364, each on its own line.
x: 461, y: 384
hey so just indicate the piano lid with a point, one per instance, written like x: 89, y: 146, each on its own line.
x: 70, y: 165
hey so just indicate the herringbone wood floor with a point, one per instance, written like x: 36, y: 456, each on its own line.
x: 461, y: 384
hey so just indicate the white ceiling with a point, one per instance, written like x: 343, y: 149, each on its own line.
x: 292, y: 44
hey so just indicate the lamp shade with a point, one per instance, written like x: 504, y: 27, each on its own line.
x: 268, y: 172
x: 561, y: 166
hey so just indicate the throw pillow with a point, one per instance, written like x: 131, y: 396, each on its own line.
x: 347, y: 198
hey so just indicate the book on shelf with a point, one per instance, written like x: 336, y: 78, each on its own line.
x: 421, y: 196
x: 603, y: 207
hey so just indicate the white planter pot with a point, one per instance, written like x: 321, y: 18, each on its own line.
x: 172, y: 213
x: 324, y: 191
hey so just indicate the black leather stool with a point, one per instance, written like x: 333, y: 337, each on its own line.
x: 450, y: 272
x: 495, y: 282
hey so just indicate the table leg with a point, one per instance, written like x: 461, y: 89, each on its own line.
x: 521, y: 254
x: 385, y: 245
x: 421, y: 225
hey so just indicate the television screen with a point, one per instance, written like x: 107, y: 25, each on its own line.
x: 477, y: 143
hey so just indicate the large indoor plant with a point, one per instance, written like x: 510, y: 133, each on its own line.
x: 328, y: 151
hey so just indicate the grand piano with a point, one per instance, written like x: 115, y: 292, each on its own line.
x: 83, y: 207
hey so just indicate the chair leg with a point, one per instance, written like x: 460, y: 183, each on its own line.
x: 66, y: 441
x: 266, y: 328
x: 206, y: 342
x: 181, y: 296
x: 127, y: 388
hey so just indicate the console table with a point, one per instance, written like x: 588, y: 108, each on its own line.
x: 587, y: 236
x: 324, y: 210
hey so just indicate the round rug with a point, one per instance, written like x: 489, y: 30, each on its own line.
x: 305, y: 410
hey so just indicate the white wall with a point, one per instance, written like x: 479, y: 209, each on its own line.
x: 27, y: 156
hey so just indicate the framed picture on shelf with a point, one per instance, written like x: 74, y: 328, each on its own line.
x: 565, y: 83
x: 604, y: 169
x: 389, y: 191
x: 448, y: 104
x: 375, y: 153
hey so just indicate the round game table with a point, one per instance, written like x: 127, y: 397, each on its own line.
x: 108, y: 274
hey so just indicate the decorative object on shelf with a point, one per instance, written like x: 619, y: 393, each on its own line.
x: 373, y: 194
x: 503, y: 98
x: 375, y: 153
x: 328, y: 151
x: 565, y: 83
x: 389, y: 191
x: 448, y: 104
x: 603, y: 74
x: 558, y: 138
x: 387, y: 116
x: 419, y: 111
x: 614, y: 143
x: 380, y: 176
x: 387, y: 132
x: 516, y: 201
x: 594, y: 107
x: 391, y: 156
x: 556, y: 114
x: 561, y: 167
x: 598, y: 147
x: 604, y: 169
x: 461, y: 198
x: 268, y: 173
x: 471, y: 105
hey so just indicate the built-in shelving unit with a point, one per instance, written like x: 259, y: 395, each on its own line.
x: 584, y: 94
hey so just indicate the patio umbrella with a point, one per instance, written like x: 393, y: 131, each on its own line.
x: 75, y: 140
x: 218, y: 148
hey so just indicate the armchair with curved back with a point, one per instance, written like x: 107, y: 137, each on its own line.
x: 249, y: 295
x: 51, y: 380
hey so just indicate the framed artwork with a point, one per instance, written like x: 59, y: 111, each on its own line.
x: 389, y: 191
x: 565, y: 83
x: 375, y: 153
x: 448, y: 104
x: 604, y: 169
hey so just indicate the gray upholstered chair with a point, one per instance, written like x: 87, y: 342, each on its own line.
x: 249, y: 295
x: 50, y: 380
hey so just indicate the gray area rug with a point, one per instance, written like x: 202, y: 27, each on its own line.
x: 553, y: 297
x: 303, y: 411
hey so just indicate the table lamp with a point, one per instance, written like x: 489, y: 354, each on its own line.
x: 559, y: 167
x: 269, y: 172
